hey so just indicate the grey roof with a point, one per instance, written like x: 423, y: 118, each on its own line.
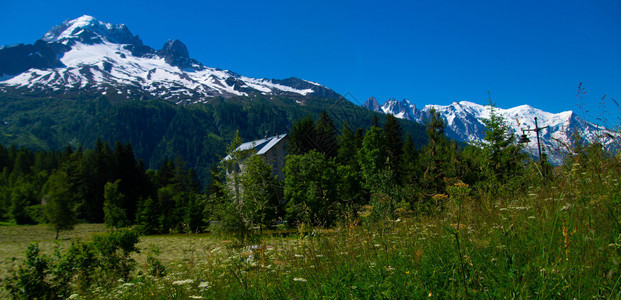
x: 262, y: 145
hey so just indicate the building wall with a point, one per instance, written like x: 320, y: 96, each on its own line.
x: 276, y: 157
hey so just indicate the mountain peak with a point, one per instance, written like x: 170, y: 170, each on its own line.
x: 88, y: 30
x: 372, y: 104
x: 175, y: 48
x: 176, y: 53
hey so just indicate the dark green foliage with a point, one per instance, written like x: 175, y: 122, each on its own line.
x: 434, y: 173
x: 29, y: 281
x: 302, y: 136
x: 59, y: 202
x: 115, y: 215
x: 311, y: 189
x: 308, y: 135
x: 115, y: 249
x: 103, y: 261
x: 504, y: 157
x: 394, y: 143
x: 23, y: 196
x: 158, y: 130
x: 196, y: 213
x: 147, y: 220
x: 216, y: 181
x: 261, y: 191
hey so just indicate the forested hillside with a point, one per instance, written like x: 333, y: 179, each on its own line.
x: 160, y: 130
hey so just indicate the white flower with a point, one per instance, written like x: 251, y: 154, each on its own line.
x: 299, y: 255
x: 182, y: 282
x: 196, y: 297
x: 204, y: 284
x: 300, y: 279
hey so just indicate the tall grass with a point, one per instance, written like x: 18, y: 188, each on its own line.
x: 562, y: 239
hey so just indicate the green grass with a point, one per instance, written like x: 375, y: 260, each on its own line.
x: 562, y: 240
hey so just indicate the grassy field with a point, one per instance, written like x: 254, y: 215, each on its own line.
x: 560, y: 240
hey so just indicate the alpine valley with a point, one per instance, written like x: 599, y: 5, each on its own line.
x: 86, y: 79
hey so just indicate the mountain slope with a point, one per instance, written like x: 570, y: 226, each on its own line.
x: 464, y: 123
x: 87, y: 79
x: 85, y: 53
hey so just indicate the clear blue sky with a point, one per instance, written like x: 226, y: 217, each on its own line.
x: 429, y: 52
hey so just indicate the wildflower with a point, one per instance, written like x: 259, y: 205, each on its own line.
x: 566, y: 235
x: 376, y: 245
x: 299, y: 255
x: 390, y: 269
x: 407, y: 272
x: 196, y: 297
x: 182, y: 282
x: 299, y: 279
x: 204, y: 284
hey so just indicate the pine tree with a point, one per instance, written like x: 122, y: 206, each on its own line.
x: 394, y: 145
x: 504, y: 156
x: 325, y: 135
x: 260, y: 191
x: 58, y: 202
x: 433, y: 176
x: 115, y: 215
x: 302, y: 136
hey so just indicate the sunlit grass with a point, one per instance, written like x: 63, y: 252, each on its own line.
x: 561, y: 240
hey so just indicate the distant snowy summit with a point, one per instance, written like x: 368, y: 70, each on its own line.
x: 86, y: 53
x: 463, y: 121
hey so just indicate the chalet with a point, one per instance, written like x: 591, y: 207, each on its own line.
x: 273, y: 149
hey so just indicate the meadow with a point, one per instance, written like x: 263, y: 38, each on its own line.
x: 559, y: 240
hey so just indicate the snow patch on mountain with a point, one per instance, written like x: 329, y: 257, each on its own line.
x: 464, y: 122
x: 94, y: 54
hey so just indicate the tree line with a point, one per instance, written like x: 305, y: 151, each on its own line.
x: 104, y: 184
x: 330, y: 174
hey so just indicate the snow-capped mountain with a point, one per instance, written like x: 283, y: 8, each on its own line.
x: 463, y: 121
x: 86, y: 53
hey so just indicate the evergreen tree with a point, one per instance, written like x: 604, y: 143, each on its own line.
x: 58, y: 202
x: 234, y: 212
x: 372, y: 157
x: 394, y: 145
x: 311, y: 188
x: 23, y: 194
x: 148, y: 217
x: 302, y: 136
x: 216, y: 181
x: 409, y: 162
x: 433, y: 176
x: 115, y: 215
x: 325, y: 135
x: 504, y: 156
x: 347, y: 145
x: 195, y: 213
x: 260, y: 187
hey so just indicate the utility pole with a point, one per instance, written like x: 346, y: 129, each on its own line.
x: 524, y: 139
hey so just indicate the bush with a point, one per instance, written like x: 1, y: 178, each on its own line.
x: 104, y: 260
